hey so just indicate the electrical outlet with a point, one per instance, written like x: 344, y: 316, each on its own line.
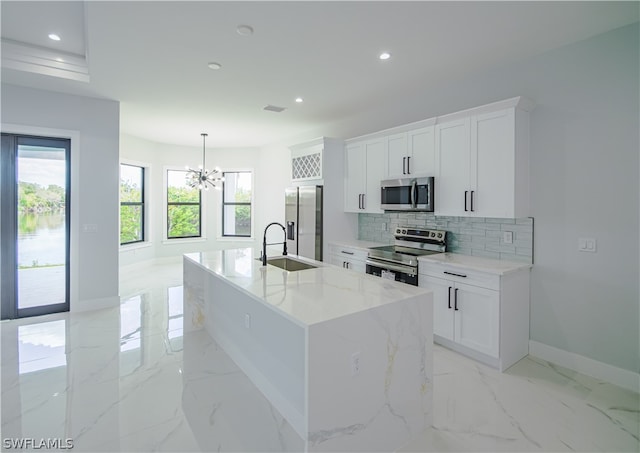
x: 355, y: 363
x: 247, y: 320
x: 507, y: 237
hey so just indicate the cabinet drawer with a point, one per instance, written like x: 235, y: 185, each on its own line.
x: 462, y: 275
x: 351, y: 253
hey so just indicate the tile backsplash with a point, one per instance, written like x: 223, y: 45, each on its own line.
x: 479, y: 236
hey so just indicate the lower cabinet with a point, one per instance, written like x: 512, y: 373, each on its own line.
x: 348, y: 257
x: 466, y: 314
x: 482, y: 315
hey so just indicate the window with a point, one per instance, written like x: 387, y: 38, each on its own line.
x: 236, y: 204
x: 183, y: 207
x: 131, y: 204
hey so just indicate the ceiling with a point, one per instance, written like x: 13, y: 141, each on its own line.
x: 152, y: 56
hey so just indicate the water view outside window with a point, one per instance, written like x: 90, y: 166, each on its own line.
x: 183, y: 207
x: 131, y: 204
x: 236, y: 204
x: 41, y: 246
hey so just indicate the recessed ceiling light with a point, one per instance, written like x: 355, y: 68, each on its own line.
x: 244, y: 30
x: 299, y: 100
x: 214, y: 65
x: 385, y: 56
x: 54, y: 37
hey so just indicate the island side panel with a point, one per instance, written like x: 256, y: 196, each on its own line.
x: 388, y: 401
x: 268, y: 347
x: 194, y: 278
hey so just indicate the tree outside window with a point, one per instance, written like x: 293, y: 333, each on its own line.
x: 131, y: 204
x: 183, y: 207
x: 236, y: 204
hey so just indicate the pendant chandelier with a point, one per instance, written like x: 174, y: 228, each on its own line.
x: 203, y: 177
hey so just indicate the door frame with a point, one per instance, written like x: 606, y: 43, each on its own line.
x: 76, y: 143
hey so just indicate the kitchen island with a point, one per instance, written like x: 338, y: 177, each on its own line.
x: 345, y: 357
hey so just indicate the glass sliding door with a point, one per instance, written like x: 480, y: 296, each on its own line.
x: 38, y: 237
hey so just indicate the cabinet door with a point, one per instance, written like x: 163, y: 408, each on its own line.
x: 442, y: 314
x: 336, y: 260
x: 354, y: 177
x: 375, y: 170
x: 453, y: 146
x: 421, y: 152
x: 493, y: 164
x: 358, y: 266
x: 397, y: 156
x: 477, y: 318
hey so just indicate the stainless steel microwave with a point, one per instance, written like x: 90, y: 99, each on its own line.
x: 407, y: 194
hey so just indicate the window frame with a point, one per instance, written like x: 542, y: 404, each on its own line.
x: 175, y: 203
x: 224, y: 204
x: 141, y: 203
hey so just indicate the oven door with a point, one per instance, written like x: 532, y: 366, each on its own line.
x: 414, y: 194
x: 392, y: 271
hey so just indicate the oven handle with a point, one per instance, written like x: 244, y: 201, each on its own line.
x: 411, y: 271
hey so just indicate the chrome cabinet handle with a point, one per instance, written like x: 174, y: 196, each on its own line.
x: 465, y: 200
x: 449, y: 297
x: 346, y: 253
x: 404, y: 165
x: 455, y: 300
x: 472, y: 192
x: 408, y: 165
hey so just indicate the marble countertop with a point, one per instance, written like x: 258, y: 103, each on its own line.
x: 477, y: 263
x: 308, y: 296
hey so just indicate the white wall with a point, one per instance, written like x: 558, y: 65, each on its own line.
x: 584, y: 170
x: 270, y: 174
x: 93, y: 126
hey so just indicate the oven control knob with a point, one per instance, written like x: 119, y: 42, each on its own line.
x: 404, y: 231
x: 439, y: 235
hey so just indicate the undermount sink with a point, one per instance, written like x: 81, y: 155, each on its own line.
x: 289, y: 264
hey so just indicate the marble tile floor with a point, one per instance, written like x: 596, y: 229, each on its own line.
x: 128, y: 379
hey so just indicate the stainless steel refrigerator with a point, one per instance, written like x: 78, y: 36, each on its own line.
x: 303, y: 219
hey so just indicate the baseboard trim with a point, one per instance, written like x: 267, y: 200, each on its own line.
x: 95, y: 304
x: 599, y: 370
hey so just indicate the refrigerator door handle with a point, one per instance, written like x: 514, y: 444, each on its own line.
x: 291, y: 230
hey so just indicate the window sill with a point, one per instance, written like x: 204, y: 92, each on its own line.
x: 183, y: 240
x: 235, y: 239
x: 135, y: 246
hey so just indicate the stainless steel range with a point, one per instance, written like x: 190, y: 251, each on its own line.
x: 399, y: 262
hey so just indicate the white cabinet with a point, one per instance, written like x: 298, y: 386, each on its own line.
x: 482, y: 164
x: 483, y: 315
x: 411, y: 153
x: 453, y: 148
x: 348, y: 257
x: 364, y: 169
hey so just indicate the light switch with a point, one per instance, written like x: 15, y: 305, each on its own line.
x: 587, y: 245
x: 507, y: 237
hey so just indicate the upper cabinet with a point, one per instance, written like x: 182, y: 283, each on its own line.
x: 479, y: 158
x: 411, y: 153
x: 364, y: 169
x: 482, y: 162
x: 307, y: 162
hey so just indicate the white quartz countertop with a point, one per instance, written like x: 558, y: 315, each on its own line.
x: 308, y: 296
x: 477, y: 263
x: 364, y: 245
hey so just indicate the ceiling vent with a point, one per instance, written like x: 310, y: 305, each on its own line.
x: 274, y: 108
